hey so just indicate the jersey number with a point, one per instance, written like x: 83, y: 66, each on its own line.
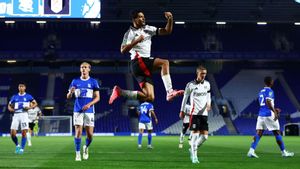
x: 83, y: 92
x: 144, y: 110
x: 262, y: 100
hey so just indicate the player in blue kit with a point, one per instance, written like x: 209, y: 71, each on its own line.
x: 268, y: 119
x: 146, y: 112
x: 86, y: 91
x: 19, y: 104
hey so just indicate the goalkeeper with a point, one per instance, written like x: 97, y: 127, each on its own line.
x: 33, y: 115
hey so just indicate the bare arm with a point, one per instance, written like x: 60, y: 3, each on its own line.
x: 94, y: 101
x: 169, y: 26
x: 275, y: 110
x: 10, y: 108
x: 127, y: 48
x: 70, y: 93
x: 153, y: 114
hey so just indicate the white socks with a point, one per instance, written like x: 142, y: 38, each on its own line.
x: 194, y: 144
x: 202, y: 139
x: 28, y: 135
x: 181, y: 138
x: 167, y: 82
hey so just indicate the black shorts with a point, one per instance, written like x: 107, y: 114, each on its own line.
x: 199, y: 122
x: 31, y: 125
x: 186, y: 125
x: 141, y: 69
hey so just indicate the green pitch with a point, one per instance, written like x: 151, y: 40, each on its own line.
x: 219, y: 152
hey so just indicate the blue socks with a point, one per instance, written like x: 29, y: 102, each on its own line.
x: 255, y: 141
x: 15, y: 140
x: 23, y: 143
x: 77, y: 142
x: 88, y: 141
x: 280, y: 142
x: 149, y: 139
x: 140, y: 138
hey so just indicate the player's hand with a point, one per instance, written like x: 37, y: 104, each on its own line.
x: 11, y: 110
x: 72, y: 90
x: 276, y: 114
x: 26, y: 108
x: 87, y: 106
x: 181, y: 115
x: 156, y: 121
x: 168, y: 15
x: 140, y: 38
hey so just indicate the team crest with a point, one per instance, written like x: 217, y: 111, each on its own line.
x: 89, y: 85
x: 56, y: 5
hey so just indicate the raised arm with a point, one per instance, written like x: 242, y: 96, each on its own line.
x: 169, y: 26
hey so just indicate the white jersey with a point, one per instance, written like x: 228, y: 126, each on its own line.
x: 142, y: 49
x: 33, y: 113
x: 199, y: 94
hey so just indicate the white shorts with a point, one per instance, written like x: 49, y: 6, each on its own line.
x: 264, y: 123
x: 84, y: 119
x: 20, y: 119
x: 147, y: 126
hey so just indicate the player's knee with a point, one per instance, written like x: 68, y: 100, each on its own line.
x: 205, y: 137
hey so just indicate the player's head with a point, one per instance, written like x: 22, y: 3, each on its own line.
x: 85, y: 68
x: 22, y: 87
x: 201, y: 73
x: 269, y: 81
x: 138, y: 18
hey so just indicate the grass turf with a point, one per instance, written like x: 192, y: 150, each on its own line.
x: 121, y: 152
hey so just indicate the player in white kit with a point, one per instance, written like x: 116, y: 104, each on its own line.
x: 33, y: 115
x: 137, y: 41
x: 198, y: 91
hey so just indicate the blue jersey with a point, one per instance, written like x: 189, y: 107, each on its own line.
x: 264, y: 95
x: 19, y: 102
x: 84, y: 92
x: 145, y: 112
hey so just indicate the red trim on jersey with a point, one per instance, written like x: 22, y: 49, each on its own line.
x: 142, y: 84
x: 143, y: 67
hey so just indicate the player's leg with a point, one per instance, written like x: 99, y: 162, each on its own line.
x: 280, y: 143
x: 185, y: 126
x: 195, y: 121
x: 23, y: 141
x: 78, y: 123
x: 140, y: 138
x: 29, y: 133
x: 165, y: 75
x: 23, y: 117
x: 194, y: 145
x: 203, y: 137
x: 150, y: 129
x: 14, y: 138
x: 89, y: 128
x: 149, y: 139
x: 77, y: 141
x: 256, y: 139
x: 89, y: 138
x: 203, y: 130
